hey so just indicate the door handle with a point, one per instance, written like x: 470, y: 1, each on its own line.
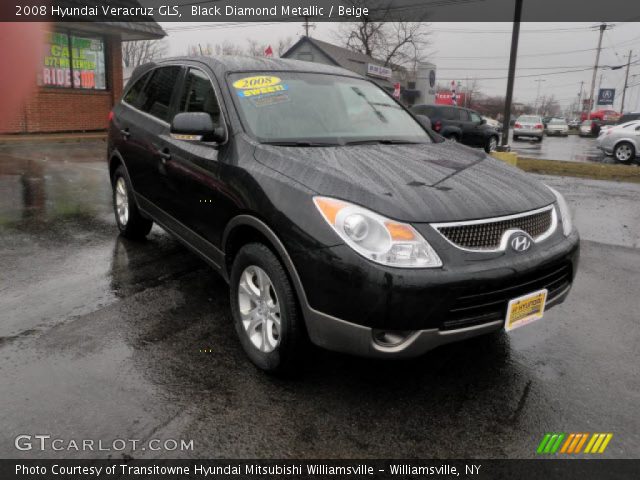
x: 125, y: 133
x: 164, y: 155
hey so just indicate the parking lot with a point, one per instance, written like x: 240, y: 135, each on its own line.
x: 103, y: 338
x: 572, y: 148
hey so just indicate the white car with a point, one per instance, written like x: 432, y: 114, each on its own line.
x: 528, y: 126
x: 621, y: 141
x: 557, y: 126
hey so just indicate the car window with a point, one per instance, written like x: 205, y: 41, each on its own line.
x: 156, y: 96
x: 309, y: 107
x: 198, y: 95
x: 529, y: 119
x: 451, y: 114
x: 132, y: 96
x: 557, y: 121
x: 475, y: 118
x: 423, y: 110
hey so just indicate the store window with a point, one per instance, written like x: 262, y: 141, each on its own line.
x: 73, y: 61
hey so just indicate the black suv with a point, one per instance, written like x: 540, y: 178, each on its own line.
x: 334, y: 215
x: 461, y: 125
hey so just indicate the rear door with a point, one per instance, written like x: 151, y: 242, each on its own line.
x: 145, y: 122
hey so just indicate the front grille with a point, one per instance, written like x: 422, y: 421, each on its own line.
x: 488, y: 234
x: 487, y: 303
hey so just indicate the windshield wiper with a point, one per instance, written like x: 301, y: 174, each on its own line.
x: 383, y: 141
x: 299, y: 143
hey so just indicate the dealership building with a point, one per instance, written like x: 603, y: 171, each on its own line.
x: 79, y: 78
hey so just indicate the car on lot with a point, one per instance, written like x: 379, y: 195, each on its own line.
x: 589, y: 128
x: 460, y: 125
x: 627, y: 117
x: 621, y: 141
x: 557, y: 127
x: 528, y: 126
x: 333, y: 214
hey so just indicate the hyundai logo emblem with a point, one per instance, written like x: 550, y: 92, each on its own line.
x: 520, y: 243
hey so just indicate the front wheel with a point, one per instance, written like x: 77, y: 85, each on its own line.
x: 624, y: 152
x: 491, y: 145
x: 130, y: 221
x: 265, y: 312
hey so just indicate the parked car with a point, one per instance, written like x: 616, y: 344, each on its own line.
x: 528, y: 126
x: 334, y: 215
x: 557, y: 127
x: 574, y: 124
x: 460, y: 125
x: 493, y: 123
x: 589, y: 128
x: 621, y: 141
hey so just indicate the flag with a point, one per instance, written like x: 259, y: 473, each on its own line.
x: 268, y: 52
x: 396, y: 90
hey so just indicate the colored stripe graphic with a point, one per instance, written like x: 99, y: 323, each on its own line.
x: 550, y: 443
x: 572, y: 443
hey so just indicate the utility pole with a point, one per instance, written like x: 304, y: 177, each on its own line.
x: 603, y: 27
x: 626, y: 82
x: 515, y: 36
x: 580, y: 108
x: 538, y: 95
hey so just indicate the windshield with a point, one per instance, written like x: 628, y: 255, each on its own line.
x: 296, y: 108
x: 529, y: 119
x: 557, y: 121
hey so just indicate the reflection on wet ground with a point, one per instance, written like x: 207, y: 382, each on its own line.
x: 572, y: 148
x: 103, y: 338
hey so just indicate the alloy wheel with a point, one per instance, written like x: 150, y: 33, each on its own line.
x: 493, y: 144
x: 624, y: 152
x: 122, y: 201
x: 259, y: 309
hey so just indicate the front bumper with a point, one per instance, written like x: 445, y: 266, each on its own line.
x: 349, y: 301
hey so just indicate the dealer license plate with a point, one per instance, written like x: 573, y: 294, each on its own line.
x: 526, y: 309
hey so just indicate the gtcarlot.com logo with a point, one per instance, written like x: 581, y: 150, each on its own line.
x: 47, y: 442
x: 574, y: 443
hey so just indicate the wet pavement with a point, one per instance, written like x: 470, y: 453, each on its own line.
x: 572, y: 148
x: 102, y: 338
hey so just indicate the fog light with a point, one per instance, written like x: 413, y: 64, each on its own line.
x: 390, y: 338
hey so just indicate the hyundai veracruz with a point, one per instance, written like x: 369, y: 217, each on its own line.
x: 334, y: 215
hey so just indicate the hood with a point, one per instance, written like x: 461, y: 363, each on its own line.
x: 437, y: 182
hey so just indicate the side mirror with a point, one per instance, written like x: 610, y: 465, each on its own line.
x: 424, y: 121
x: 195, y: 126
x: 483, y: 121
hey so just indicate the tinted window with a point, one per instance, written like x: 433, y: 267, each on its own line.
x: 451, y: 114
x: 628, y: 117
x: 198, y: 95
x: 475, y: 118
x: 156, y: 96
x: 423, y: 110
x: 133, y: 95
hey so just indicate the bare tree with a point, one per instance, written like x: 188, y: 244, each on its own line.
x: 283, y: 45
x: 549, y: 106
x: 137, y: 52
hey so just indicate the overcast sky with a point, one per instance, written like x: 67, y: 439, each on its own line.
x: 479, y: 50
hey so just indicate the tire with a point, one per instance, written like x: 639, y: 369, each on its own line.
x: 491, y: 145
x: 624, y: 152
x: 271, y: 347
x: 516, y: 137
x: 130, y: 221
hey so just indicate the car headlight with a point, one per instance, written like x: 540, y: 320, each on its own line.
x: 377, y: 238
x: 565, y: 213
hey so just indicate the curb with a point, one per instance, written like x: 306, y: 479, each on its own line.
x: 52, y: 138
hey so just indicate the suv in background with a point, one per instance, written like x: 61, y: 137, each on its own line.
x: 460, y: 125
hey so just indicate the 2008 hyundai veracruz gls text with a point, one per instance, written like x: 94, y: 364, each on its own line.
x: 333, y: 213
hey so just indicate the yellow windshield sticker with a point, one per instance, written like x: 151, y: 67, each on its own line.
x: 256, y: 82
x: 260, y: 91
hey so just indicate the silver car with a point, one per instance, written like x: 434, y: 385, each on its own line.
x: 558, y: 126
x: 528, y: 126
x: 621, y: 141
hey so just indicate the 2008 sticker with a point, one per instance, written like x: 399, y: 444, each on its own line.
x: 259, y: 81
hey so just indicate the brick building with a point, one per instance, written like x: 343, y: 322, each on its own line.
x: 80, y: 77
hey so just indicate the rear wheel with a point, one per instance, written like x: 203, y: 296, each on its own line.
x: 130, y: 221
x: 624, y: 152
x: 265, y: 312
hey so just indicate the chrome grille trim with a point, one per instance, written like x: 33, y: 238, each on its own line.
x: 505, y: 234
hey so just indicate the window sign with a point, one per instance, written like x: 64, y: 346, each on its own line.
x: 72, y: 61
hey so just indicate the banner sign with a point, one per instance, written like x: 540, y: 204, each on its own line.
x: 378, y: 71
x: 606, y: 96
